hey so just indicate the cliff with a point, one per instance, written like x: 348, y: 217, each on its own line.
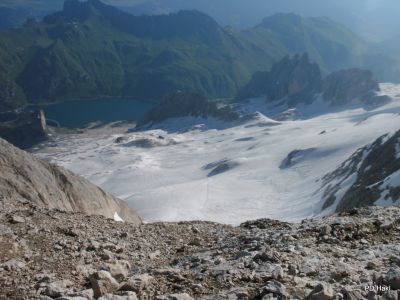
x: 23, y: 129
x: 25, y: 178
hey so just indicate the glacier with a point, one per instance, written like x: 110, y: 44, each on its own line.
x: 164, y: 172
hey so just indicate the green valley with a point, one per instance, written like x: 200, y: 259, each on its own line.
x: 90, y: 49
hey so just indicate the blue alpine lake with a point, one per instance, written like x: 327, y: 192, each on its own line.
x: 75, y: 114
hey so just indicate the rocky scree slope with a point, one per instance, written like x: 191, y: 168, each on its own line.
x: 49, y: 254
x: 26, y: 178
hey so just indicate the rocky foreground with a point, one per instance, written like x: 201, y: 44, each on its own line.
x: 50, y: 254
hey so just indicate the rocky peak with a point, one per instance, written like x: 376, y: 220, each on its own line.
x: 344, y: 86
x: 295, y: 78
x: 280, y: 20
x: 185, y: 104
x: 25, y: 178
x: 185, y: 23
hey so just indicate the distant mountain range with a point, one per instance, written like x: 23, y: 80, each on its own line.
x: 90, y: 49
x: 374, y: 19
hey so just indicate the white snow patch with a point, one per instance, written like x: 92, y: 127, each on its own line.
x: 117, y: 218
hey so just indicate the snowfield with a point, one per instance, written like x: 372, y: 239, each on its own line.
x: 209, y: 170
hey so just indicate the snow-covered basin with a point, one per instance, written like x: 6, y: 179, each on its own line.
x: 170, y: 181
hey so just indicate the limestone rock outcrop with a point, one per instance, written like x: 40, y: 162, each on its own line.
x: 23, y: 129
x: 24, y: 177
x: 187, y: 104
x: 343, y: 86
x: 297, y: 79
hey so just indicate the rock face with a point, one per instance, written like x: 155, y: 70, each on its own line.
x: 330, y: 258
x: 371, y: 174
x: 24, y: 177
x: 346, y: 85
x: 23, y: 129
x: 296, y: 79
x: 184, y: 104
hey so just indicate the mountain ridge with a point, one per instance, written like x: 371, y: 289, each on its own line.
x: 91, y: 48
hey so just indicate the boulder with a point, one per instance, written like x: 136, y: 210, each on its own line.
x: 118, y: 269
x: 274, y: 287
x: 103, y: 283
x: 57, y: 288
x: 323, y: 291
x: 137, y: 283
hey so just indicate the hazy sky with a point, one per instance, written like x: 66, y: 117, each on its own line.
x: 375, y: 19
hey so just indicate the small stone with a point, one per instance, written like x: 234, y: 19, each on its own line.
x: 137, y: 284
x: 274, y: 287
x: 94, y: 245
x: 87, y: 294
x: 277, y: 273
x: 72, y: 298
x: 390, y: 295
x: 57, y: 288
x: 322, y: 291
x: 183, y: 296
x: 350, y: 294
x: 195, y: 242
x: 58, y: 247
x: 154, y: 255
x: 119, y: 269
x: 13, y: 264
x: 238, y: 294
x: 14, y: 219
x: 308, y: 270
x: 392, y: 278
x: 128, y: 296
x: 326, y: 230
x: 195, y: 230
